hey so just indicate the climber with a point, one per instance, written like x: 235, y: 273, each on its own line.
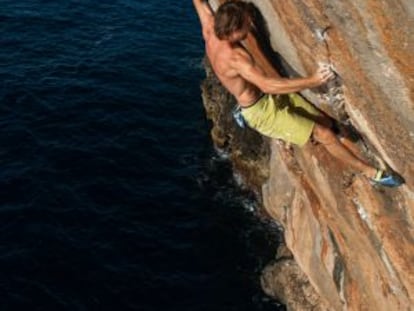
x: 287, y: 117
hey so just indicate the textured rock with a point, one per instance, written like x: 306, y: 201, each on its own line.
x: 249, y: 152
x: 353, y: 242
x: 284, y: 279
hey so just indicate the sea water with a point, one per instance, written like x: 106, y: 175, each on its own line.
x: 112, y: 197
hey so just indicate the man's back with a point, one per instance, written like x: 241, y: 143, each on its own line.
x: 222, y: 56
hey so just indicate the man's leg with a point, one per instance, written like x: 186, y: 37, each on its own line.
x: 326, y: 137
x: 351, y: 146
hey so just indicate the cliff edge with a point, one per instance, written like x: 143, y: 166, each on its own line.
x: 352, y: 243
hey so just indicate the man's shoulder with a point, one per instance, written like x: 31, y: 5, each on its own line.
x: 240, y: 55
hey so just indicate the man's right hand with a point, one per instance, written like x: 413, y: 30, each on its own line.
x: 323, y: 74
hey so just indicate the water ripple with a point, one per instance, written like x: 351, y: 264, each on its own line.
x: 109, y: 200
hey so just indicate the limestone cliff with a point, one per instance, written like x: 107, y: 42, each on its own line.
x: 352, y: 243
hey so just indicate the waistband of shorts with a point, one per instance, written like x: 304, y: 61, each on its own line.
x: 256, y: 101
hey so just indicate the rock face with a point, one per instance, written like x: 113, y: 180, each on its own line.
x: 353, y: 243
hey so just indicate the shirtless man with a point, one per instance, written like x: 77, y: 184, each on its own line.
x: 292, y: 120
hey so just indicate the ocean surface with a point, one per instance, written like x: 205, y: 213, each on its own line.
x: 112, y: 197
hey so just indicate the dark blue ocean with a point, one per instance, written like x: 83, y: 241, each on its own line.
x: 111, y: 195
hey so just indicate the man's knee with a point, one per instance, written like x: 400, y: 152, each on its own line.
x: 324, y: 135
x: 325, y: 121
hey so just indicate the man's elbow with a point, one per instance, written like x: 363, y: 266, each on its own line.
x: 267, y: 88
x: 197, y: 4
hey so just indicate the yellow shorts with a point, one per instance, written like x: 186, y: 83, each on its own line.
x: 286, y: 117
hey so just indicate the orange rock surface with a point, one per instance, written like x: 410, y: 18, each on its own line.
x: 353, y: 241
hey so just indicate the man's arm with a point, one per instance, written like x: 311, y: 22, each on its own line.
x: 205, y: 15
x: 247, y: 69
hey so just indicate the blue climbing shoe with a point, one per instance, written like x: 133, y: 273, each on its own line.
x: 388, y: 179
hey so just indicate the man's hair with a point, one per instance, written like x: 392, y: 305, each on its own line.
x: 230, y: 17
